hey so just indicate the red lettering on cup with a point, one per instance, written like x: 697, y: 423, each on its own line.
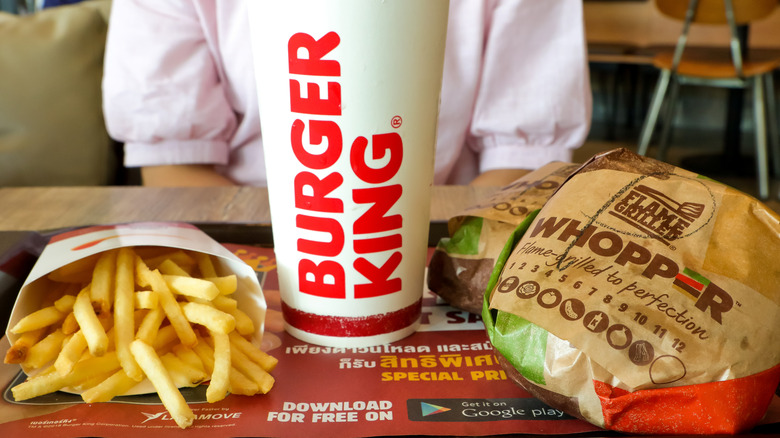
x: 383, y: 199
x: 323, y: 280
x: 313, y: 103
x: 324, y: 225
x: 313, y: 65
x: 380, y: 282
x: 377, y: 244
x: 320, y: 189
x: 314, y: 193
x: 319, y: 130
x: 383, y: 144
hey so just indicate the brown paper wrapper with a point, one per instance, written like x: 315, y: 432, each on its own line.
x: 639, y: 276
x: 461, y: 264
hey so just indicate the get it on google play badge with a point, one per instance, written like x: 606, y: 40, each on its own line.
x: 455, y: 410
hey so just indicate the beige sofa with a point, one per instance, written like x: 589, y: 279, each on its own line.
x: 51, y: 121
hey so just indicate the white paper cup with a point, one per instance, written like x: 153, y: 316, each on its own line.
x: 349, y: 97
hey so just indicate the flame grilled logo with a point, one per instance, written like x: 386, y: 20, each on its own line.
x: 656, y: 214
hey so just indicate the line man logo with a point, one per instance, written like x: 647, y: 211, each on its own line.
x: 150, y: 417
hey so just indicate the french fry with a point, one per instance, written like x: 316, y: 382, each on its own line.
x: 145, y: 299
x: 117, y: 384
x: 79, y: 271
x: 206, y: 355
x: 226, y: 284
x: 254, y: 371
x: 168, y: 302
x: 244, y: 324
x: 150, y: 325
x: 260, y: 357
x: 225, y: 304
x: 103, y: 280
x: 169, y: 267
x: 183, y: 374
x: 239, y: 383
x: 209, y: 317
x: 49, y: 382
x: 92, y: 381
x: 38, y: 319
x: 69, y: 324
x: 65, y: 303
x: 220, y: 376
x: 192, y: 287
x: 18, y: 351
x: 91, y: 327
x: 189, y: 356
x: 40, y: 385
x: 106, y: 321
x: 138, y: 317
x: 71, y: 352
x: 48, y: 370
x: 124, y: 322
x: 111, y: 339
x: 45, y: 350
x: 169, y: 395
x: 205, y: 265
x: 166, y: 335
x: 178, y: 257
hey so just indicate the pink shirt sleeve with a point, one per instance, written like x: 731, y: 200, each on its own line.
x: 146, y: 104
x: 534, y: 102
x: 178, y: 86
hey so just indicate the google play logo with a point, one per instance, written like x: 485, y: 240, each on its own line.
x: 431, y: 409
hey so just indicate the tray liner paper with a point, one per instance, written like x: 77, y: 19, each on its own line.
x: 643, y: 298
x: 443, y: 380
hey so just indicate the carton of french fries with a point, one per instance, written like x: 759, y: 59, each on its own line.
x: 140, y: 308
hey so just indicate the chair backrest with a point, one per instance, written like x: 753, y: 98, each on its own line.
x: 714, y: 11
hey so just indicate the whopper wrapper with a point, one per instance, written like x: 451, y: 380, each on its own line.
x: 80, y: 245
x: 462, y: 263
x: 644, y: 298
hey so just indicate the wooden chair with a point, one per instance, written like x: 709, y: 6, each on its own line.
x: 732, y: 67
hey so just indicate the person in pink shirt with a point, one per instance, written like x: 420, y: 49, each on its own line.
x: 179, y: 90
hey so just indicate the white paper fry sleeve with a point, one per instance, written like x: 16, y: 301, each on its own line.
x: 80, y: 245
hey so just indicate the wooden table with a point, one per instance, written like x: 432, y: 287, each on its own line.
x: 51, y: 208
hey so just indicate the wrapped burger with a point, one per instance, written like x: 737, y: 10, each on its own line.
x: 461, y: 264
x: 643, y: 298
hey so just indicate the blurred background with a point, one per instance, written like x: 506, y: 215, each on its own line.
x: 49, y: 49
x: 712, y: 129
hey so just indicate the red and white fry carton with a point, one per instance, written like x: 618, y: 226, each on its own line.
x: 81, y: 247
x: 349, y: 99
